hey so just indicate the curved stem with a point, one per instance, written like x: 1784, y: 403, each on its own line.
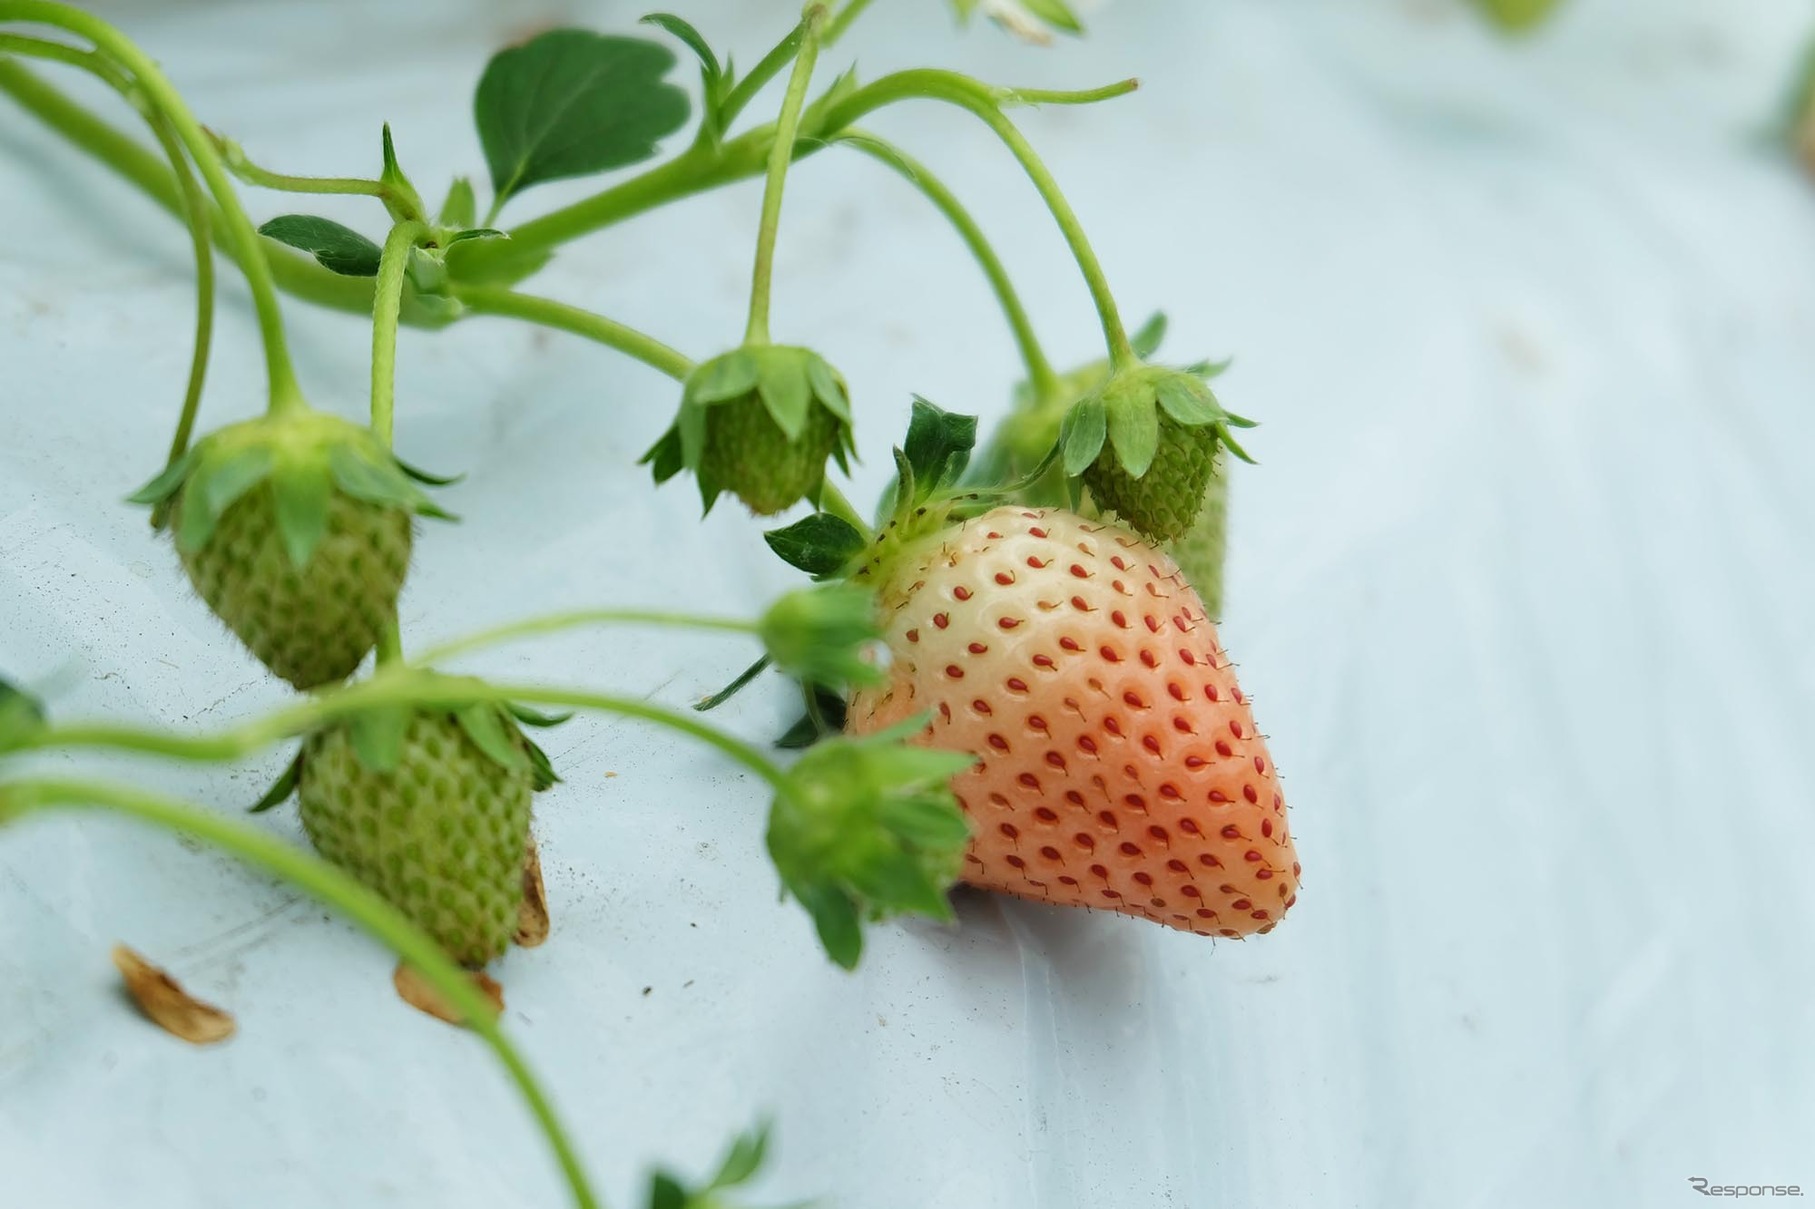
x: 847, y: 16
x: 745, y: 90
x: 372, y: 914
x: 387, y: 303
x: 1040, y: 373
x: 832, y: 500
x: 496, y: 300
x: 264, y: 178
x: 580, y: 617
x: 285, y: 394
x: 781, y: 154
x: 195, y: 211
x: 986, y: 102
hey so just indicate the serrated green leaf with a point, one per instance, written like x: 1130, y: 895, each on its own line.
x: 166, y: 483
x: 710, y: 69
x: 785, y: 392
x: 459, y: 208
x: 571, y: 103
x: 377, y: 736
x: 1147, y: 340
x: 1187, y: 401
x: 1086, y: 427
x: 938, y: 445
x: 281, y: 789
x: 1134, y: 432
x: 727, y: 376
x: 484, y: 724
x: 820, y: 544
x: 300, y: 493
x: 338, y: 248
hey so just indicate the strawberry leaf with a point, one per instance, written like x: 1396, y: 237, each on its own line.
x: 339, y: 249
x: 820, y: 544
x: 938, y: 447
x: 571, y: 103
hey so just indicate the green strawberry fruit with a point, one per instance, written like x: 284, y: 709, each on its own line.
x: 431, y: 810
x: 1199, y: 550
x: 760, y: 422
x: 1145, y: 445
x: 296, y: 530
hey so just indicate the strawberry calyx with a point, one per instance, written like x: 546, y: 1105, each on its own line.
x: 760, y: 422
x: 866, y: 828
x: 305, y: 456
x: 22, y: 713
x: 1154, y: 426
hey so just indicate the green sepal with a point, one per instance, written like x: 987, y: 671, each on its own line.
x: 824, y: 635
x: 829, y: 387
x: 535, y: 717
x: 377, y: 736
x: 836, y: 920
x: 542, y: 774
x: 281, y: 789
x: 711, y: 72
x: 165, y: 485
x: 735, y: 687
x: 821, y: 544
x: 665, y: 458
x: 728, y: 376
x: 743, y: 1160
x: 216, y: 485
x: 485, y: 724
x: 406, y: 204
x: 938, y: 446
x: 824, y: 717
x: 424, y: 477
x: 459, y: 209
x: 301, y: 491
x: 784, y: 390
x: 1149, y: 336
x: 472, y: 233
x: 666, y: 1192
x: 21, y: 713
x: 1081, y: 438
x: 1188, y: 401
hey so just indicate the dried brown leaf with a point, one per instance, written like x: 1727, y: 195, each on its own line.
x: 532, y: 912
x: 167, y: 1005
x: 420, y: 994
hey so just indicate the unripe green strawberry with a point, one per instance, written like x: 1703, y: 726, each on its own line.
x: 314, y: 624
x: 760, y: 422
x: 437, y: 825
x: 749, y: 455
x: 1169, y: 496
x: 296, y: 530
x: 1145, y: 445
x: 1199, y: 550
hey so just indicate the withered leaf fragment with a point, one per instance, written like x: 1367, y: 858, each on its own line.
x: 167, y: 1005
x: 532, y: 912
x: 420, y: 994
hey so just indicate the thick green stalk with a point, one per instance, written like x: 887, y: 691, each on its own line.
x: 387, y: 304
x: 986, y: 102
x: 1040, y: 373
x: 495, y: 300
x: 781, y: 154
x: 158, y: 91
x: 372, y: 914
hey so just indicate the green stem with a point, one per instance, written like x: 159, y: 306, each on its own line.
x: 195, y: 211
x: 285, y: 393
x: 1040, y: 373
x: 745, y: 90
x: 300, y: 275
x: 986, y: 103
x: 495, y: 300
x: 264, y: 178
x: 372, y: 914
x: 847, y: 15
x: 781, y: 154
x: 398, y: 685
x: 387, y: 304
x: 580, y: 617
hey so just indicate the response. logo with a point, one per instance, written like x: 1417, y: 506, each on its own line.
x: 1706, y: 1189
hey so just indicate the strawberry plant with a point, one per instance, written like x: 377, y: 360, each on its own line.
x: 1009, y: 677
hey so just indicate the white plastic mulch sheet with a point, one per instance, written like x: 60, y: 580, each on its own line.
x: 1521, y: 589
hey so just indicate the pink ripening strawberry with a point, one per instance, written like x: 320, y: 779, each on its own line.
x: 1119, y: 764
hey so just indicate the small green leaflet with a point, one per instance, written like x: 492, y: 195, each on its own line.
x: 571, y: 103
x: 820, y: 544
x: 339, y: 248
x: 710, y: 68
x: 939, y: 445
